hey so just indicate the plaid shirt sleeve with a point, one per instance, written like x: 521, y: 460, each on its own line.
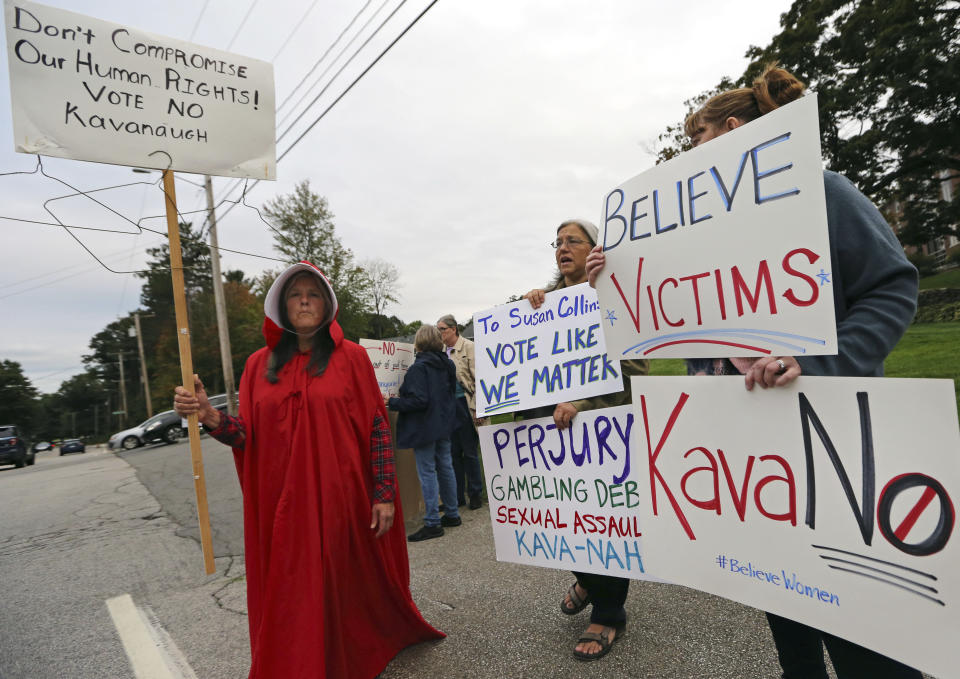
x: 382, y: 462
x: 231, y: 431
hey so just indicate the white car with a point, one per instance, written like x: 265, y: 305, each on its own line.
x: 166, y: 426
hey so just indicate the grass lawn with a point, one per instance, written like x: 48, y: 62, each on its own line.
x: 944, y: 279
x: 928, y: 350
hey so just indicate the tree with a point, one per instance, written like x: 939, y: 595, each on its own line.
x: 157, y: 292
x: 673, y: 141
x: 18, y: 396
x: 383, y: 280
x: 304, y: 230
x: 887, y: 78
x: 79, y: 406
x: 108, y: 347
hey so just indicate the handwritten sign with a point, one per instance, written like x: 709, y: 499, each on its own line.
x: 567, y: 499
x: 91, y: 90
x: 530, y: 357
x: 390, y: 362
x: 723, y: 250
x: 831, y: 502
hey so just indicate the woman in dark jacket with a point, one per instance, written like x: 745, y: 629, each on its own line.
x: 426, y: 406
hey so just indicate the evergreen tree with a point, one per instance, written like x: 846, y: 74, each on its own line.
x: 304, y: 230
x: 887, y: 77
x: 18, y: 396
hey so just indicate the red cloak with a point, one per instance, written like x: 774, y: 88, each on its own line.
x: 325, y: 597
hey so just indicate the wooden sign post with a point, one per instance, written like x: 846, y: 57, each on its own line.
x: 186, y: 368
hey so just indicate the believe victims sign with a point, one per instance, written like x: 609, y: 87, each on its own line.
x: 723, y: 250
x: 831, y: 501
x: 87, y: 89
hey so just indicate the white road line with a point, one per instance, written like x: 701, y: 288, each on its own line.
x: 144, y: 645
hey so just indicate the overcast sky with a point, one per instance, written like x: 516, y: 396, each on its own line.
x: 455, y: 157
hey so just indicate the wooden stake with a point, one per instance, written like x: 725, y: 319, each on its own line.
x: 186, y: 369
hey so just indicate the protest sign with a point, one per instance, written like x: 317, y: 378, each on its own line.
x: 566, y: 499
x: 831, y: 501
x: 88, y: 89
x: 530, y: 357
x: 723, y: 250
x: 390, y: 362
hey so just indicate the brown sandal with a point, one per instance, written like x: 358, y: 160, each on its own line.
x: 578, y: 603
x: 602, y: 638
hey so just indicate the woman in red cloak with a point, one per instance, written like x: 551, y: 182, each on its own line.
x: 328, y: 590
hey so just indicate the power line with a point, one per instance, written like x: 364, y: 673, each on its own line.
x: 296, y: 28
x: 197, y: 24
x: 342, y: 52
x: 233, y: 185
x: 358, y: 78
x: 242, y: 24
x: 341, y: 96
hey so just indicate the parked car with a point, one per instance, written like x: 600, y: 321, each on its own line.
x: 72, y: 446
x: 42, y: 447
x: 13, y: 449
x: 164, y: 426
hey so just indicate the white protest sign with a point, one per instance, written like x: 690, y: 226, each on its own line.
x: 566, y: 499
x: 831, y: 502
x: 88, y: 89
x: 390, y: 362
x: 723, y: 250
x: 530, y: 357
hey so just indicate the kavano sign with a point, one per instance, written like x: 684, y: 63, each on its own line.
x: 831, y: 501
x: 92, y: 90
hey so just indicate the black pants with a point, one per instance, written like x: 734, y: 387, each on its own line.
x: 463, y: 448
x: 801, y: 655
x: 608, y: 594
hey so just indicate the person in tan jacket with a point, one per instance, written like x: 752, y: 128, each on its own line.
x: 465, y: 442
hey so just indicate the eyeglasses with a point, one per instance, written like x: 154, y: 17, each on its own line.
x: 442, y: 328
x: 569, y: 242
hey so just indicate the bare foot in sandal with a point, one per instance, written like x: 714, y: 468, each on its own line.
x: 575, y: 600
x: 588, y: 649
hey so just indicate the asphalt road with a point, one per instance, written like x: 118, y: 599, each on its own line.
x: 78, y: 531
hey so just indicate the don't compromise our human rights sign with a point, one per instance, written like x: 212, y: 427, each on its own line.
x: 88, y: 89
x: 831, y: 502
x: 723, y: 250
x: 528, y: 357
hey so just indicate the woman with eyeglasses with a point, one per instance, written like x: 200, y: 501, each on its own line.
x: 875, y: 295
x: 608, y: 618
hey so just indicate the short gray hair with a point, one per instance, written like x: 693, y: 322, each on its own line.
x: 589, y: 228
x: 427, y: 339
x: 449, y: 321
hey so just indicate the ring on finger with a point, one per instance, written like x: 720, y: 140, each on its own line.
x: 781, y: 366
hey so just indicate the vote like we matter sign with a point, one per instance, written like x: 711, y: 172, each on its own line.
x: 528, y: 357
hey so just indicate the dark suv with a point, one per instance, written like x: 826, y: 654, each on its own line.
x: 13, y: 449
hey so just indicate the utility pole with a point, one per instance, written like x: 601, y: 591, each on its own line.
x: 226, y: 356
x: 123, y: 387
x: 143, y: 364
